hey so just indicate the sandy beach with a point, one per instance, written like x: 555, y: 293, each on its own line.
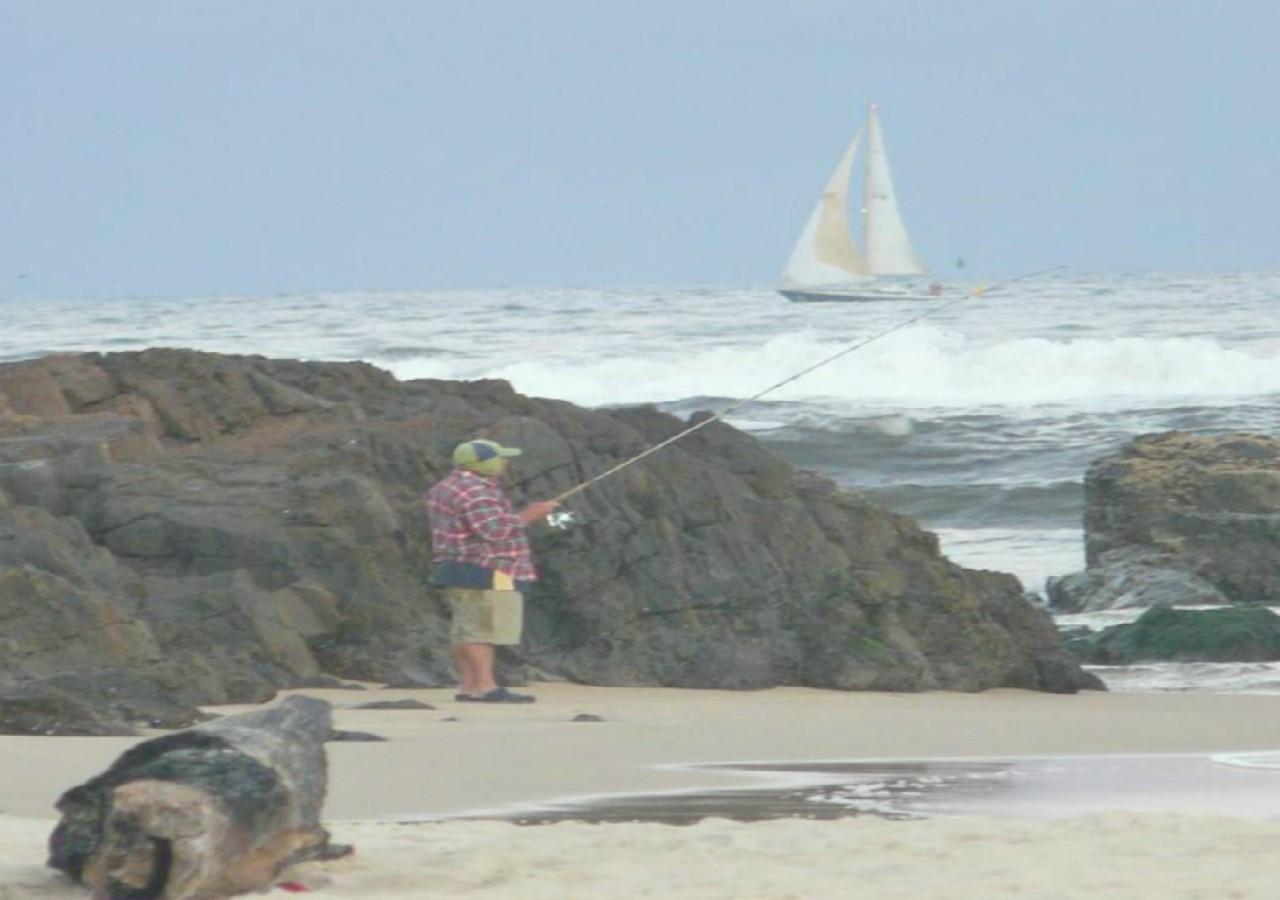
x: 1106, y: 825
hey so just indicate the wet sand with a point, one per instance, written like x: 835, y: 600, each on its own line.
x: 1053, y: 787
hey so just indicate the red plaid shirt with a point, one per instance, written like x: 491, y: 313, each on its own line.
x: 472, y: 521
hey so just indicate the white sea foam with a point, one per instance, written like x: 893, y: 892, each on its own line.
x: 1235, y: 678
x: 1048, y: 342
x: 921, y: 366
x: 1263, y: 760
x: 1031, y: 554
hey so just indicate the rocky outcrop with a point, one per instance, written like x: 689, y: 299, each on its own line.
x: 223, y: 526
x: 1181, y: 519
x: 97, y: 700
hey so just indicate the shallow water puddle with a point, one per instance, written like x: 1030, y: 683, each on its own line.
x: 1049, y: 787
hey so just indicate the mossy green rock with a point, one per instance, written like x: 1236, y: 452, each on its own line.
x: 1163, y: 633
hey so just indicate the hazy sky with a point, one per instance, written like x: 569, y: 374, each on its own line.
x: 284, y: 145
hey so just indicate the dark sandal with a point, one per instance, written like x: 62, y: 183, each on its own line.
x: 502, y: 695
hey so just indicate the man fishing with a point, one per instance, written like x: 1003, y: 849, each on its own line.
x: 482, y: 559
x: 482, y: 555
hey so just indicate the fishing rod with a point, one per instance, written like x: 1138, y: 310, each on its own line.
x: 702, y: 423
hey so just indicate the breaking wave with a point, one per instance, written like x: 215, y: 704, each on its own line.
x: 920, y: 366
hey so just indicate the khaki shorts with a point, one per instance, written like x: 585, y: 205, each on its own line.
x: 485, y: 617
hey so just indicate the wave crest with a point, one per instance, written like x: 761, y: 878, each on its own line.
x: 923, y: 365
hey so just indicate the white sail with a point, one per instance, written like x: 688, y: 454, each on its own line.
x: 825, y: 253
x: 889, y: 249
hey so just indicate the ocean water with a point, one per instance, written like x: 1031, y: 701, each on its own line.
x: 978, y: 419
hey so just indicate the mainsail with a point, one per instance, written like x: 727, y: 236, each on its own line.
x: 888, y: 247
x: 825, y: 254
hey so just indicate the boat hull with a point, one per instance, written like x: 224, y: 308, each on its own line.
x: 800, y: 296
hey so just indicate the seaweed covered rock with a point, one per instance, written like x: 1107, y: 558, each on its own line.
x: 1162, y: 633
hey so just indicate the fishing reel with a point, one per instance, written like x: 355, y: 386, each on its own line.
x: 562, y: 519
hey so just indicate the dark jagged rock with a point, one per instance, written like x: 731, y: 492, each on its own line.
x: 1162, y: 633
x: 1181, y: 519
x: 41, y: 709
x: 209, y: 812
x: 95, y: 701
x: 365, y: 736
x: 394, y: 704
x: 1129, y: 577
x: 229, y: 525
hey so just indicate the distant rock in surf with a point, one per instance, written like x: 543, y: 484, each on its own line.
x: 1180, y: 519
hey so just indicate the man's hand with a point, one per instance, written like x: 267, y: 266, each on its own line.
x: 538, y: 510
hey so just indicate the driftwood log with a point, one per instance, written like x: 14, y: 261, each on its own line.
x: 209, y: 812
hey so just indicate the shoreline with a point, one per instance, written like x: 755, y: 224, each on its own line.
x: 458, y: 759
x: 402, y: 803
x: 1028, y: 788
x: 659, y: 740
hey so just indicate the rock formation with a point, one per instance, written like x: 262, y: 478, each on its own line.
x: 1181, y: 519
x: 221, y: 526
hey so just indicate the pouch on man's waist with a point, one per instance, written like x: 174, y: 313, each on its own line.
x: 452, y: 573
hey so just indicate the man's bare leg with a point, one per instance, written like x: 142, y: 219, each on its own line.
x: 462, y: 662
x: 475, y: 668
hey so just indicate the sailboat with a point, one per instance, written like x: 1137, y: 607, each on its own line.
x: 826, y: 264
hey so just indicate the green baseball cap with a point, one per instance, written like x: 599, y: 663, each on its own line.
x: 472, y: 453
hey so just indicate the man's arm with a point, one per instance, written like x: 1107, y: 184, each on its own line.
x: 491, y: 517
x: 539, y: 509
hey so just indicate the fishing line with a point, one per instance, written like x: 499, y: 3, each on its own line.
x: 562, y: 519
